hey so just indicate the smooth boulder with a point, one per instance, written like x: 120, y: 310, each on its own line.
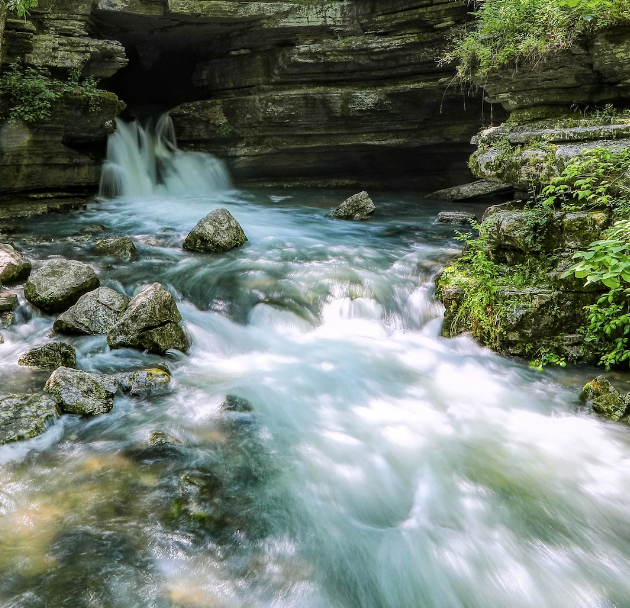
x: 94, y: 313
x: 217, y: 232
x: 81, y: 392
x: 26, y: 416
x: 461, y: 218
x: 14, y: 267
x: 150, y: 322
x: 116, y: 247
x: 358, y: 207
x: 59, y: 284
x: 50, y: 356
x: 144, y: 381
x: 606, y: 399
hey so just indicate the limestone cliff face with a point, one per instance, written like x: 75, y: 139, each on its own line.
x: 289, y: 92
x: 63, y: 152
x: 554, y: 113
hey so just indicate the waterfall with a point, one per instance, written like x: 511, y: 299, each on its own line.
x: 145, y: 161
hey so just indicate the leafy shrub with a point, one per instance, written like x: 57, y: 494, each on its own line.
x: 608, y: 261
x: 509, y: 32
x: 21, y: 7
x: 597, y: 178
x: 30, y: 92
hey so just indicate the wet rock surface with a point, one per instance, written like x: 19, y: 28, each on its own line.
x: 150, y: 322
x: 26, y: 416
x: 606, y: 399
x: 115, y: 246
x: 144, y: 382
x: 217, y: 232
x: 358, y: 207
x: 233, y: 403
x: 14, y: 267
x: 59, y: 284
x: 81, y: 392
x: 461, y: 218
x: 481, y: 187
x: 95, y: 312
x: 50, y: 356
x: 8, y: 301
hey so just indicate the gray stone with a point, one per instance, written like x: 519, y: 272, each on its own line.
x: 481, y: 187
x: 95, y: 312
x: 93, y: 229
x: 144, y: 382
x: 605, y: 398
x: 26, y: 416
x: 8, y: 301
x: 115, y: 246
x: 455, y: 217
x: 59, y: 284
x: 14, y: 267
x: 150, y: 322
x: 236, y: 404
x: 7, y: 319
x: 217, y: 232
x: 82, y: 392
x: 50, y: 356
x: 358, y: 207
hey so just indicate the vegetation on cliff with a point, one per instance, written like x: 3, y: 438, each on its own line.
x: 29, y: 93
x: 509, y: 32
x: 552, y: 249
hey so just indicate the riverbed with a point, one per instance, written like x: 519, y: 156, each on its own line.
x: 381, y: 466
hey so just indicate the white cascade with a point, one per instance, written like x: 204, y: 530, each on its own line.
x: 145, y: 161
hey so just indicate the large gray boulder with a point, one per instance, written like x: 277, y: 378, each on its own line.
x: 59, y: 284
x: 81, y: 392
x: 95, y: 312
x: 116, y: 247
x: 216, y: 232
x: 150, y: 322
x: 50, y: 356
x: 14, y: 267
x: 358, y: 207
x: 26, y: 416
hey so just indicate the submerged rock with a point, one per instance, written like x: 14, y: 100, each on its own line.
x: 115, y: 246
x: 358, y: 207
x: 144, y: 381
x: 82, y: 392
x: 93, y: 229
x: 95, y: 312
x: 461, y: 218
x: 14, y: 267
x: 8, y: 301
x: 150, y: 322
x: 50, y: 356
x: 59, y: 284
x: 605, y: 398
x: 481, y: 187
x: 217, y: 232
x: 236, y: 404
x: 25, y: 416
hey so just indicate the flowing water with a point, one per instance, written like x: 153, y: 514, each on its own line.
x: 382, y: 466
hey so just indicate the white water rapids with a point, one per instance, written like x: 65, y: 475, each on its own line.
x: 382, y: 466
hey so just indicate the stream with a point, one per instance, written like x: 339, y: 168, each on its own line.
x: 382, y: 466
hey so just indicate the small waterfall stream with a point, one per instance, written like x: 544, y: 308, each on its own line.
x: 382, y: 466
x: 145, y: 161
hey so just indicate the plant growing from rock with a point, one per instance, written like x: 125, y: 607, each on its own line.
x: 608, y: 261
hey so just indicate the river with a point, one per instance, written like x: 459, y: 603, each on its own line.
x: 382, y: 466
